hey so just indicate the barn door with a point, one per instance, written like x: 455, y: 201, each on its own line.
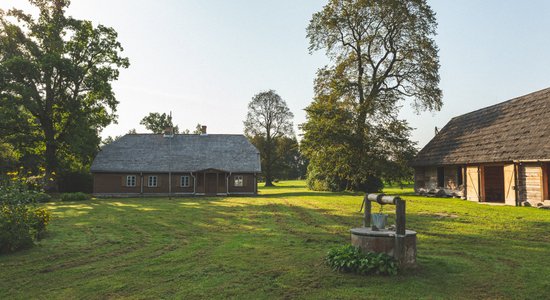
x: 472, y: 183
x: 509, y: 185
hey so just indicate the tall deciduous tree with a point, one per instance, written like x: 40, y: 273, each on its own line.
x: 157, y: 122
x: 268, y: 120
x: 58, y: 70
x: 382, y: 53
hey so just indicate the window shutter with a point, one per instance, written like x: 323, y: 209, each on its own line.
x: 123, y: 180
x: 158, y: 180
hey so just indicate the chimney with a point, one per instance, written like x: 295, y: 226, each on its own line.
x: 436, y: 130
x: 203, y: 129
x: 168, y: 132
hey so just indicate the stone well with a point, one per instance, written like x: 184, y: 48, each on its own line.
x: 384, y: 241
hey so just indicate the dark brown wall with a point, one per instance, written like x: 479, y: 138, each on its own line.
x: 248, y: 187
x: 106, y: 183
x: 114, y: 183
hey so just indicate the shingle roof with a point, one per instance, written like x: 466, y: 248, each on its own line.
x: 151, y: 153
x: 515, y: 130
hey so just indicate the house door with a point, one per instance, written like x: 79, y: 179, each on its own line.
x: 211, y: 183
x: 493, y: 184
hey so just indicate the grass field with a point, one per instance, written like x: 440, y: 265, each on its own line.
x: 272, y: 246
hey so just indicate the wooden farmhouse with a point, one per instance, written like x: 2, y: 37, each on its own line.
x: 179, y: 164
x: 500, y: 153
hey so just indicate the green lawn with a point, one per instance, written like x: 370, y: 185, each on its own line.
x: 272, y: 246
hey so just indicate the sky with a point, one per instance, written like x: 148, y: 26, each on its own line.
x: 204, y: 60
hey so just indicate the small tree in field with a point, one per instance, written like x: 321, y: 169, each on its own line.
x: 268, y: 120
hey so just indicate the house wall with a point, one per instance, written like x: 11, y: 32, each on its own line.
x: 249, y: 186
x: 115, y: 183
x: 106, y: 183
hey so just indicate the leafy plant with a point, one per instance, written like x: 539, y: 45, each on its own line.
x: 351, y: 259
x: 78, y: 196
x: 20, y: 221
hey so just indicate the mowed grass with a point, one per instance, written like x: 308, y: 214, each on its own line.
x: 273, y: 246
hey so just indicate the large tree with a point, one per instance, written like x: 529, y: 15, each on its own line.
x: 158, y: 123
x: 57, y: 71
x: 382, y: 53
x: 267, y: 122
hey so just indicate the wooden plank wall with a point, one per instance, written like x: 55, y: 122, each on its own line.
x: 530, y: 182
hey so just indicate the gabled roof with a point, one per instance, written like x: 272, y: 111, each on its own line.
x: 187, y: 153
x: 515, y: 130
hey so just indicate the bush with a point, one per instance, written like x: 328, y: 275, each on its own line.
x: 74, y: 196
x: 15, y: 231
x: 21, y: 223
x: 41, y: 197
x: 371, y: 184
x: 350, y: 259
x: 39, y: 219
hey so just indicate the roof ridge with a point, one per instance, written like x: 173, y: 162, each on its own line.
x: 187, y: 134
x: 503, y: 102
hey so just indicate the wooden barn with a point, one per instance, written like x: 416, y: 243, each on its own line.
x: 499, y: 154
x: 180, y: 164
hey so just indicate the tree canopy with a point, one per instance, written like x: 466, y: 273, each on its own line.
x: 382, y: 53
x: 268, y: 122
x: 55, y: 84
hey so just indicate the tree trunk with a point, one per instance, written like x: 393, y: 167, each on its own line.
x: 268, y: 175
x: 50, y: 184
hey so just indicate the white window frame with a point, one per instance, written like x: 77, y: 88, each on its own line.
x: 238, y: 181
x: 184, y: 181
x: 152, y: 181
x: 131, y: 180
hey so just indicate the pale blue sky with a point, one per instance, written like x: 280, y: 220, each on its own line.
x: 205, y: 59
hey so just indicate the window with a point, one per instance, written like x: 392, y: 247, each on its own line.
x: 152, y: 181
x: 185, y: 181
x: 130, y: 180
x: 238, y: 180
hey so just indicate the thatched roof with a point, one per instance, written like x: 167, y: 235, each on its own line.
x: 187, y: 153
x: 515, y: 130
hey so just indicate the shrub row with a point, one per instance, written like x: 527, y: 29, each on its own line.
x: 78, y: 196
x: 350, y: 259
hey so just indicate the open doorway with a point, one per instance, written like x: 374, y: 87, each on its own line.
x: 493, y: 183
x: 546, y: 181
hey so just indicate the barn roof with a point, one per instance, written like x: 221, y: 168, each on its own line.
x: 187, y: 153
x: 515, y: 130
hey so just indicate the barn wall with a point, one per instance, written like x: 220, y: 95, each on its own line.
x: 450, y: 178
x: 425, y: 179
x: 530, y: 182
